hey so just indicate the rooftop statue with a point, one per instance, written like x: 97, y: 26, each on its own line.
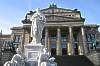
x: 38, y: 21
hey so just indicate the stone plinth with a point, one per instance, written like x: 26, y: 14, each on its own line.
x: 32, y: 53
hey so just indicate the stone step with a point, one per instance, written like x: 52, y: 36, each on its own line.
x: 73, y: 61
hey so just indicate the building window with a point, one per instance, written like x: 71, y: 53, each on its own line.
x: 43, y: 41
x: 1, y: 42
x: 88, y: 37
x: 92, y: 37
x: 53, y: 42
x: 17, y: 38
x: 63, y: 42
x: 75, y: 36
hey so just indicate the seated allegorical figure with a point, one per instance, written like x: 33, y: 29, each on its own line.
x: 17, y: 60
x: 44, y: 56
x: 51, y: 62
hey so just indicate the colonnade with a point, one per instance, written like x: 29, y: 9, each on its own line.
x: 82, y: 49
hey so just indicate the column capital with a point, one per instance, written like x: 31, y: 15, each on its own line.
x: 58, y: 29
x: 82, y: 30
x: 82, y: 27
x: 46, y: 29
x: 70, y: 29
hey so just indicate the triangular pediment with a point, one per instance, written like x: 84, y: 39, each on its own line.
x: 53, y: 13
x: 61, y: 14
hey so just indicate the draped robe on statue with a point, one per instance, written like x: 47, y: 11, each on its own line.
x: 38, y: 21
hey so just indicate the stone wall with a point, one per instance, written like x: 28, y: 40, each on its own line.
x: 94, y: 57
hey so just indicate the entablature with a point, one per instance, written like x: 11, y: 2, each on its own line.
x: 65, y: 24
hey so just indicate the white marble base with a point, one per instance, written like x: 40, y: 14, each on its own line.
x: 32, y: 52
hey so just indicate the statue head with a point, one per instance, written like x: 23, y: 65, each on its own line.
x: 36, y: 15
x: 52, y: 60
x: 38, y: 10
x: 18, y: 51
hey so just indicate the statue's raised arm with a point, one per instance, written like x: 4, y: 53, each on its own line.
x: 38, y: 21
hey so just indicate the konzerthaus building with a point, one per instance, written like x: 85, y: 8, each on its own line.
x: 64, y: 34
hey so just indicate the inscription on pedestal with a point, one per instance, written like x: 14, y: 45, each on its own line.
x: 33, y: 55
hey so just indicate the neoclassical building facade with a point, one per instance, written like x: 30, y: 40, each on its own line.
x: 64, y: 33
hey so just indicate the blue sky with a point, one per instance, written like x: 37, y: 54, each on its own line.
x: 13, y: 11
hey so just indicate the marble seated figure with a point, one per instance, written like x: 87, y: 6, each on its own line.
x: 44, y: 56
x: 17, y: 60
x: 50, y: 62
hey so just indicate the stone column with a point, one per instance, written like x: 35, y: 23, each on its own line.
x: 46, y: 38
x: 49, y: 46
x: 23, y: 40
x: 80, y: 48
x: 58, y: 45
x: 26, y: 37
x: 84, y: 41
x: 70, y: 43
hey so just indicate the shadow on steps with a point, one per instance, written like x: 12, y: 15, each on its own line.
x: 73, y: 61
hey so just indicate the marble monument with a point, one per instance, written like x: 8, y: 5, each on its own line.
x: 35, y: 54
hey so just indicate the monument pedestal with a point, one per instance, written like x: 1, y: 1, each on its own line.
x: 32, y: 53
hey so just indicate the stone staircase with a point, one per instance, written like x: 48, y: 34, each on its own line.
x: 7, y: 55
x: 73, y: 61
